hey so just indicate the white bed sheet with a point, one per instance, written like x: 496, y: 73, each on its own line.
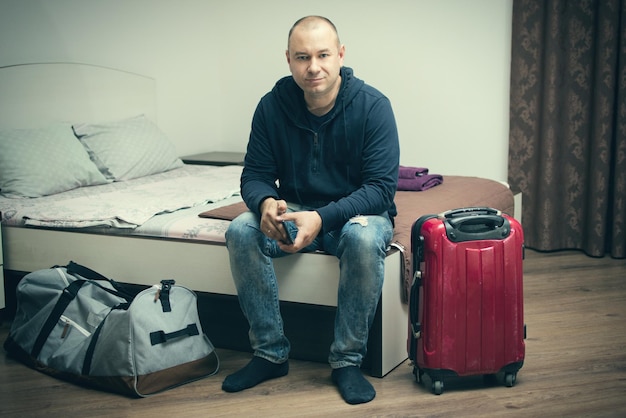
x: 187, y: 225
x: 177, y: 196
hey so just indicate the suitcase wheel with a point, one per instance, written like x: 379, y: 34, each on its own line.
x: 509, y: 379
x: 437, y: 387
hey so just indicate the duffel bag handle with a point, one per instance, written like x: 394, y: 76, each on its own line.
x: 160, y: 337
x: 69, y: 294
x: 75, y: 268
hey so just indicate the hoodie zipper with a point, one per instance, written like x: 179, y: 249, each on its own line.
x: 316, y: 153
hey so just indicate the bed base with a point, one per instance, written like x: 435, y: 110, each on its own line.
x: 306, y: 280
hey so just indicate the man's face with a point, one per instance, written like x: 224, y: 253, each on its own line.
x: 315, y: 58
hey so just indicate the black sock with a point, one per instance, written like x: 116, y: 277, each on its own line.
x: 257, y: 371
x: 353, y: 386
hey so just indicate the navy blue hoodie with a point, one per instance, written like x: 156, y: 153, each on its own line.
x: 348, y: 167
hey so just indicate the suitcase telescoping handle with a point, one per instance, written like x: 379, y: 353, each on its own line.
x: 479, y: 223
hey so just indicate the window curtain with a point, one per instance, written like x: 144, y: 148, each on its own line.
x: 567, y: 143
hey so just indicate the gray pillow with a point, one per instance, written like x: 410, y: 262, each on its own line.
x: 45, y: 161
x: 129, y: 148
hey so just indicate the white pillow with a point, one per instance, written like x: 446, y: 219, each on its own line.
x: 45, y: 161
x: 129, y: 148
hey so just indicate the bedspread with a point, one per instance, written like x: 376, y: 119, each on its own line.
x: 125, y: 205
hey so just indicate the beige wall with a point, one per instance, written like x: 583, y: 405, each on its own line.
x: 444, y: 64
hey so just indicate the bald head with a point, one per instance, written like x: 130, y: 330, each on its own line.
x: 311, y: 23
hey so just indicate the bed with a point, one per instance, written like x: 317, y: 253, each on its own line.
x: 156, y: 231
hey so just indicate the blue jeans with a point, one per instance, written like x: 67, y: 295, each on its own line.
x: 361, y: 248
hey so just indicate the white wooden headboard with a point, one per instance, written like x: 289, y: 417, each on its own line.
x: 33, y: 95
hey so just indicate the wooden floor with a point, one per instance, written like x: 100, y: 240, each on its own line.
x: 575, y: 311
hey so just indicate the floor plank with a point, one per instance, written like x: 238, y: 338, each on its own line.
x: 575, y: 311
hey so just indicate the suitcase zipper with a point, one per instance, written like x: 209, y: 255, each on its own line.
x: 69, y: 323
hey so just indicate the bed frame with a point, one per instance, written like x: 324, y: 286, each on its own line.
x: 37, y: 94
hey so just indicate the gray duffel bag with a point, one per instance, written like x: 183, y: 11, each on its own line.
x: 73, y: 323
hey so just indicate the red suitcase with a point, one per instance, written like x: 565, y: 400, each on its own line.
x: 466, y: 306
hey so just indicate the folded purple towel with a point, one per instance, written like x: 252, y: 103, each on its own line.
x: 420, y: 183
x: 411, y: 172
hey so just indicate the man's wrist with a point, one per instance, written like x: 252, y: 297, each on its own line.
x: 263, y: 202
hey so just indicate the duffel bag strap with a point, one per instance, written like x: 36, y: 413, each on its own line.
x: 91, y: 348
x: 160, y: 337
x: 164, y: 294
x: 68, y: 294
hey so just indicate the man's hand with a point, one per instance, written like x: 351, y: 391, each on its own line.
x: 271, y: 225
x: 274, y: 213
x: 309, y: 225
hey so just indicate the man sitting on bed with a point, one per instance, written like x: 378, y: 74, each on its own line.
x: 320, y: 173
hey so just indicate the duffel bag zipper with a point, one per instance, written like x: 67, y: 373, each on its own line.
x: 69, y: 323
x: 63, y: 276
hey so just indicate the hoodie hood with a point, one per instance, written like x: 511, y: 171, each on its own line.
x: 290, y: 96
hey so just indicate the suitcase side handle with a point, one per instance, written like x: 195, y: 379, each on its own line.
x: 417, y: 241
